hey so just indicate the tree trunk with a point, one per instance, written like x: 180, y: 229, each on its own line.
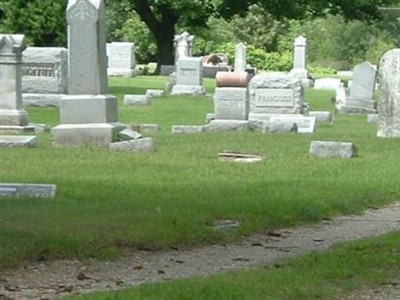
x: 165, y: 45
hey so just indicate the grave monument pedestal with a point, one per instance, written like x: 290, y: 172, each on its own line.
x: 88, y: 115
x: 13, y: 118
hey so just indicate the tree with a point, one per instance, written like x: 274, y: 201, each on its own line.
x: 42, y: 21
x: 162, y: 16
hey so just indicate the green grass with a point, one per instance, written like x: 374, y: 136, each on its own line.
x: 107, y: 200
x: 328, y: 275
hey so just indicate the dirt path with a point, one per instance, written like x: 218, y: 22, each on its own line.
x: 59, y: 278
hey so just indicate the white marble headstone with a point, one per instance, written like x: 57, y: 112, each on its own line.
x: 389, y: 87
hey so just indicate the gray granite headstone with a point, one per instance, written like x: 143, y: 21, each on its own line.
x: 300, y: 57
x: 275, y: 93
x: 389, y: 87
x: 240, y: 58
x: 121, y: 59
x: 27, y: 190
x: 88, y: 115
x: 363, y: 83
x: 231, y: 103
x: 189, y: 76
x: 328, y: 149
x: 11, y: 109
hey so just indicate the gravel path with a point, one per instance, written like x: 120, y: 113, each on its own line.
x: 52, y: 280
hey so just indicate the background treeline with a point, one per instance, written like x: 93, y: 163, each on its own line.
x: 333, y: 42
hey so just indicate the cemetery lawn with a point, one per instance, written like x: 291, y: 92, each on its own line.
x: 342, y: 270
x: 108, y: 201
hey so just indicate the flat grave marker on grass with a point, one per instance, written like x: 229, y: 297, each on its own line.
x: 28, y: 189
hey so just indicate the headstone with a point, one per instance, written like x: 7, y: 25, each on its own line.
x: 300, y: 57
x: 129, y: 134
x: 360, y: 98
x: 27, y: 190
x: 12, y: 113
x: 328, y: 149
x: 304, y: 124
x: 44, y: 75
x: 275, y: 93
x: 373, y: 118
x: 88, y: 115
x: 121, y: 59
x: 389, y: 87
x: 327, y: 84
x: 240, y: 58
x: 189, y: 77
x: 231, y: 103
x: 17, y: 141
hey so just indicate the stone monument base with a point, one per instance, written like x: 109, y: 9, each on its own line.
x: 81, y: 109
x: 13, y: 117
x: 94, y: 134
x: 42, y: 100
x: 16, y: 129
x: 180, y: 89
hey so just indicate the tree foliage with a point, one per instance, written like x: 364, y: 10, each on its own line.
x: 42, y: 21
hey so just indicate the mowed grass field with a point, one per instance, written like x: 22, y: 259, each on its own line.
x: 107, y: 201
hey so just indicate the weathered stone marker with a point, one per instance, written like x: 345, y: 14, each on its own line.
x: 88, y: 115
x: 28, y: 190
x: 389, y: 87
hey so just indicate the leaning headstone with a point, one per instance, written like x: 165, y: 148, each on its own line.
x: 240, y: 58
x: 139, y: 145
x: 362, y: 88
x: 88, y: 115
x: 12, y: 115
x: 327, y: 149
x: 27, y: 190
x: 17, y: 141
x: 189, y: 77
x: 389, y: 87
x: 275, y: 93
x: 44, y: 75
x: 121, y: 59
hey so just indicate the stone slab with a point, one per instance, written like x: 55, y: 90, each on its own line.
x: 179, y: 89
x: 322, y: 116
x: 18, y: 141
x: 372, y: 118
x: 327, y: 83
x: 279, y: 126
x: 27, y: 190
x: 304, y: 124
x: 136, y: 100
x: 186, y: 129
x: 227, y: 125
x: 154, y: 93
x: 327, y: 149
x: 91, y: 134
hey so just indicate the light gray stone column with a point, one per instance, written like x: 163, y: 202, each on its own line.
x: 12, y: 114
x: 300, y: 57
x: 88, y: 115
x: 240, y: 58
x: 389, y: 87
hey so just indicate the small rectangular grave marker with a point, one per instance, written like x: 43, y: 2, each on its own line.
x: 27, y: 189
